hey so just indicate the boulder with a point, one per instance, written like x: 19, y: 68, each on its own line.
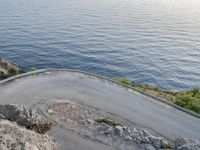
x: 186, y: 144
x: 179, y: 142
x: 8, y: 69
x: 159, y: 142
x: 19, y: 114
x: 148, y: 147
x: 118, y: 130
x: 13, y: 137
x: 102, y: 127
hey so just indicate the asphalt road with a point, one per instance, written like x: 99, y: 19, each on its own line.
x: 137, y: 108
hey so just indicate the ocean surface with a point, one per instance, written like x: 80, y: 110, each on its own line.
x: 154, y: 42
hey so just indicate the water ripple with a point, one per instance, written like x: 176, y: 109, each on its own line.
x: 148, y: 41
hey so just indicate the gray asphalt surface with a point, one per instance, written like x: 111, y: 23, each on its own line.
x: 137, y: 108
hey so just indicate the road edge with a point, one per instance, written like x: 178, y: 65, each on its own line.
x: 5, y: 81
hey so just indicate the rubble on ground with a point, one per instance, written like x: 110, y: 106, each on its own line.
x: 90, y: 122
x: 186, y: 144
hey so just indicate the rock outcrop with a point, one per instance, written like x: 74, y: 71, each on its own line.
x: 93, y: 124
x: 140, y: 137
x: 19, y: 114
x: 13, y: 137
x: 16, y: 123
x: 24, y: 129
x: 8, y: 69
x: 28, y: 118
x: 186, y: 144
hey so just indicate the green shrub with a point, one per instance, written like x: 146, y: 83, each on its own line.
x: 123, y: 80
x: 189, y: 100
x: 140, y: 87
x: 33, y: 69
x: 108, y: 122
x: 12, y: 72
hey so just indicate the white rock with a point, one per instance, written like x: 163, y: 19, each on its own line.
x: 102, y: 127
x: 19, y: 114
x: 90, y: 121
x: 19, y: 138
x: 29, y: 146
x: 50, y: 111
x: 118, y: 130
x: 145, y: 140
x: 128, y: 138
x: 148, y: 147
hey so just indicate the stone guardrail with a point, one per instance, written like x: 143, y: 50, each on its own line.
x: 5, y: 81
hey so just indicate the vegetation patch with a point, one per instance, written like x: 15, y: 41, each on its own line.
x: 158, y: 92
x: 8, y: 69
x: 123, y: 81
x: 108, y: 122
x: 189, y: 99
x: 33, y: 69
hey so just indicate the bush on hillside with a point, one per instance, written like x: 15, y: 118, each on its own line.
x: 123, y: 80
x: 189, y: 100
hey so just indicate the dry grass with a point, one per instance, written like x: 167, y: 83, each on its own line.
x: 40, y: 128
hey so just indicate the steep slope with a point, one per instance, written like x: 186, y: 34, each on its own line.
x: 8, y: 69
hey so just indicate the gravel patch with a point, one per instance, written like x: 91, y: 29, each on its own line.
x: 95, y: 125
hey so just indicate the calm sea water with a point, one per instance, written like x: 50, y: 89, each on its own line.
x: 154, y: 42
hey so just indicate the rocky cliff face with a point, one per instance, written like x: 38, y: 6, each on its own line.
x: 8, y: 69
x: 14, y: 137
x: 23, y: 129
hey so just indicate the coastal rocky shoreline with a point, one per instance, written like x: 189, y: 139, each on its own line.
x: 27, y: 128
x: 8, y: 69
